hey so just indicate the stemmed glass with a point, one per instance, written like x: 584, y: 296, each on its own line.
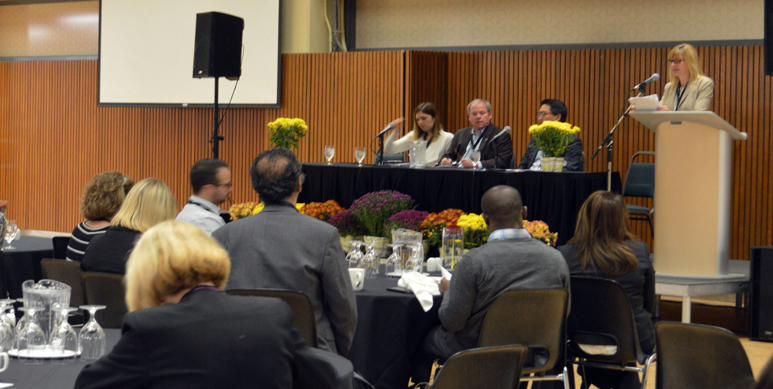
x: 355, y: 254
x: 6, y: 327
x: 330, y: 152
x: 394, y: 264
x: 359, y: 154
x: 31, y: 340
x: 64, y: 341
x: 370, y: 261
x: 11, y: 230
x: 92, y: 337
x: 416, y: 259
x: 475, y: 157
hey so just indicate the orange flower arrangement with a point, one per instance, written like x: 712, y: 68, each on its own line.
x: 433, y: 224
x: 322, y: 211
x: 539, y: 230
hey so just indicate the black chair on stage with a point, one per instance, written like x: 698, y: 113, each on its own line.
x: 68, y: 272
x: 388, y: 159
x: 700, y: 356
x: 535, y: 319
x: 303, y: 312
x: 488, y: 367
x: 60, y: 246
x: 640, y: 182
x: 108, y: 290
x: 601, y: 315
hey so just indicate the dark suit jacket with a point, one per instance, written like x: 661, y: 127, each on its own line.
x: 108, y: 252
x: 639, y: 285
x: 573, y: 156
x: 283, y: 249
x: 501, y: 148
x: 210, y: 340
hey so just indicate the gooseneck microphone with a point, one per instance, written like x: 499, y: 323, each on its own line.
x: 388, y: 128
x: 506, y: 130
x: 644, y: 83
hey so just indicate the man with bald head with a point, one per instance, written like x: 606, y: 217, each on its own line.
x: 511, y: 260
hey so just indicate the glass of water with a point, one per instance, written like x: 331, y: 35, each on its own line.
x: 359, y: 154
x: 330, y: 152
x: 11, y: 230
x: 475, y: 157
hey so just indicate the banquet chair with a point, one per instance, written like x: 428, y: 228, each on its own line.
x: 388, y: 158
x: 640, y: 182
x: 60, y: 246
x: 108, y: 290
x: 700, y: 356
x: 489, y: 367
x: 303, y: 313
x: 601, y: 315
x: 68, y: 272
x: 535, y: 319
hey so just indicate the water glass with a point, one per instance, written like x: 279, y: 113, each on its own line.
x: 359, y: 154
x: 371, y: 261
x: 355, y: 255
x: 92, y: 337
x: 394, y: 264
x: 330, y: 152
x: 11, y: 230
x: 31, y: 340
x: 453, y: 246
x: 475, y: 157
x: 417, y: 258
x: 63, y: 341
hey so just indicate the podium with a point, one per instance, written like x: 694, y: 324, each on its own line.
x: 692, y: 191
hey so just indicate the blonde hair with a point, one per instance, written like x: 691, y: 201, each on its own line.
x: 690, y: 56
x: 148, y: 203
x: 169, y: 258
x: 104, y: 195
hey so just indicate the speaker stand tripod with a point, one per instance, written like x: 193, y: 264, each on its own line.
x: 216, y: 138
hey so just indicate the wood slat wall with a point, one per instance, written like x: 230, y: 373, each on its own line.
x: 53, y: 138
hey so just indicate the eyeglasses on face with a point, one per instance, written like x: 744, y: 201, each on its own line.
x: 675, y: 61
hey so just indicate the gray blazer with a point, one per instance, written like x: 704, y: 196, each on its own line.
x: 283, y: 249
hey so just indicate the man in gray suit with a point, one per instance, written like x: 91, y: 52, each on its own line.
x: 283, y: 249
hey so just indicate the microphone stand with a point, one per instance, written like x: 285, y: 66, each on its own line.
x: 609, y: 142
x: 380, y: 150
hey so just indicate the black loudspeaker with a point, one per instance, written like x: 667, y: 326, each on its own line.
x: 769, y: 37
x: 218, y: 45
x: 761, y: 294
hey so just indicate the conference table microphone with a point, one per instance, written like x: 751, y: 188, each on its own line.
x: 388, y: 128
x: 654, y: 77
x: 506, y: 130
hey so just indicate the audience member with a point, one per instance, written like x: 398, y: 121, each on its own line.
x: 147, y: 204
x: 511, y: 260
x: 211, y: 184
x: 603, y: 247
x: 282, y: 248
x: 554, y: 110
x: 493, y: 154
x: 101, y: 199
x: 688, y: 89
x: 427, y: 128
x: 184, y: 332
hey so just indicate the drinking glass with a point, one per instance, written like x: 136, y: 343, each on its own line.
x: 92, y: 337
x: 31, y: 341
x: 475, y: 157
x: 11, y: 230
x: 453, y: 246
x: 355, y: 254
x: 394, y: 264
x: 10, y: 314
x: 371, y: 261
x: 359, y: 154
x: 6, y: 327
x: 416, y: 259
x: 63, y: 341
x: 330, y: 152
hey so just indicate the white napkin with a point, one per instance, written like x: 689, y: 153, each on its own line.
x: 422, y: 286
x: 446, y: 274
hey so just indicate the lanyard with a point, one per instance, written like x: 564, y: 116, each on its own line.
x: 201, y: 205
x: 679, y: 94
x: 480, y: 138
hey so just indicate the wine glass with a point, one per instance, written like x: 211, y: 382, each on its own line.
x: 359, y: 154
x: 63, y: 340
x: 31, y: 341
x: 11, y: 230
x: 475, y: 157
x: 416, y: 259
x: 370, y: 261
x: 394, y: 264
x: 330, y: 152
x: 6, y: 327
x: 92, y: 337
x: 355, y: 254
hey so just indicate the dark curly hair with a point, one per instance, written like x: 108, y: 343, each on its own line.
x: 275, y: 174
x: 104, y: 195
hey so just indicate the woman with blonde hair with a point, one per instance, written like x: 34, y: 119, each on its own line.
x: 603, y: 247
x: 426, y: 127
x: 101, y: 199
x: 688, y: 88
x: 182, y: 331
x: 147, y: 204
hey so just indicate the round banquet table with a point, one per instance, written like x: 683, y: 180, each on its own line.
x: 23, y: 263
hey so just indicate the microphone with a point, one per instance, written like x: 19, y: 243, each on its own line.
x: 506, y: 130
x: 654, y: 77
x: 385, y: 130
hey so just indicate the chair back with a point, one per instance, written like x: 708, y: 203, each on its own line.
x: 108, y: 290
x: 388, y: 158
x: 60, y: 246
x: 488, y: 367
x: 640, y: 179
x: 303, y: 312
x: 68, y: 272
x: 700, y: 356
x: 601, y: 314
x: 533, y: 318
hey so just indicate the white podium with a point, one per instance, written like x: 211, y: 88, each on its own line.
x: 692, y: 191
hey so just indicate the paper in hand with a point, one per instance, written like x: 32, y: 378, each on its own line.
x: 646, y: 103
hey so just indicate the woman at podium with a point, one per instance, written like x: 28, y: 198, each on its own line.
x: 688, y: 88
x: 426, y: 127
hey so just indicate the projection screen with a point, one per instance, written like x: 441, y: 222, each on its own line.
x: 146, y: 54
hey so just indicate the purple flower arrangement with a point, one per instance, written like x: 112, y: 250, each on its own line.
x: 373, y: 209
x: 346, y: 224
x: 410, y: 219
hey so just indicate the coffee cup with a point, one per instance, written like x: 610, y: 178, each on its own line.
x: 3, y: 361
x: 357, y: 276
x: 434, y: 264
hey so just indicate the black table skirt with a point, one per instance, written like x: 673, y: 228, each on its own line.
x: 23, y: 263
x: 554, y: 198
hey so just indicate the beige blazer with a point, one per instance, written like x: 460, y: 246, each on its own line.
x: 434, y: 151
x: 698, y: 96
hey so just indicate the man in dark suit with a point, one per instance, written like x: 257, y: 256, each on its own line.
x: 494, y: 153
x: 281, y: 248
x: 554, y: 110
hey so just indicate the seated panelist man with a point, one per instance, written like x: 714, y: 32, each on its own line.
x: 554, y: 110
x: 495, y: 151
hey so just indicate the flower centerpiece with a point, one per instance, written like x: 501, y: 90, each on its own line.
x: 346, y: 224
x: 539, y: 230
x: 322, y: 211
x: 433, y: 224
x: 242, y: 210
x: 373, y: 209
x: 553, y: 138
x: 285, y: 132
x: 475, y: 230
x: 410, y: 220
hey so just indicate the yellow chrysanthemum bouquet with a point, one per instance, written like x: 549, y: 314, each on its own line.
x: 285, y: 132
x: 475, y: 230
x: 553, y: 137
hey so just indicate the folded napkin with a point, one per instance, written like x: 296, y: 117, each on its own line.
x: 422, y: 286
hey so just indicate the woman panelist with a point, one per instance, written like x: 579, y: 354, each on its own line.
x: 426, y: 127
x: 603, y: 247
x: 688, y: 89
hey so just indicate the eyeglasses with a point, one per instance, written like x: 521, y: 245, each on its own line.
x: 541, y: 114
x: 675, y: 61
